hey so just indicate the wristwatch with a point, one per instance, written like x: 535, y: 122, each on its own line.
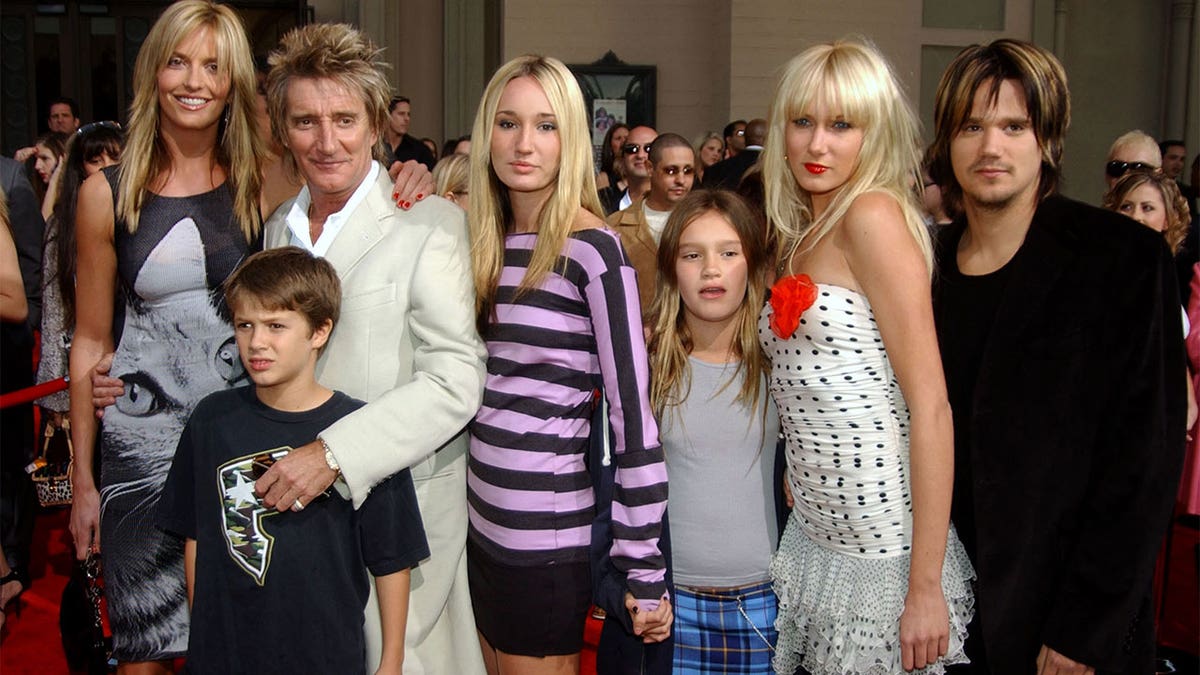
x: 329, y: 458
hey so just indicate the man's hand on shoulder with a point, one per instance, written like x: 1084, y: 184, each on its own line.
x: 1050, y: 662
x: 296, y: 480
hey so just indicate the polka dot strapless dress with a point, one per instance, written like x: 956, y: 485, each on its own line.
x: 841, y: 572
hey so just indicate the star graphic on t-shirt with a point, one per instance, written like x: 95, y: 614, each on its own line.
x: 243, y: 492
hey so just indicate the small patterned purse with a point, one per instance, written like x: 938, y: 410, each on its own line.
x: 51, y: 471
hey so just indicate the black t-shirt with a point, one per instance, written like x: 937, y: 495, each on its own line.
x: 411, y: 148
x: 966, y: 313
x: 279, y: 592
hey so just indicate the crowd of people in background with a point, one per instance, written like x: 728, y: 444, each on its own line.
x: 810, y: 394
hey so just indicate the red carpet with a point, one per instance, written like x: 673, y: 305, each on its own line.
x: 31, y: 643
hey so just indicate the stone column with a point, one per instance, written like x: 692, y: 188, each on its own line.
x: 411, y: 36
x: 464, y: 53
x: 1060, y: 29
x: 1178, y: 83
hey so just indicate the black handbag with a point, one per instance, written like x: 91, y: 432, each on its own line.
x: 86, y: 646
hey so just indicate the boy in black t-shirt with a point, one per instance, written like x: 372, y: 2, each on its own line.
x: 284, y: 592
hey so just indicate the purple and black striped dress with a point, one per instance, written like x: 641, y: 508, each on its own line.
x: 529, y: 495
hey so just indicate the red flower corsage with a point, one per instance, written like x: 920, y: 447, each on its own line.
x: 790, y: 297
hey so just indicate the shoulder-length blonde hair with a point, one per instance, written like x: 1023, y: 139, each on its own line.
x: 452, y: 174
x: 703, y: 140
x: 491, y: 213
x: 671, y: 339
x: 1178, y: 215
x: 238, y: 146
x: 852, y: 79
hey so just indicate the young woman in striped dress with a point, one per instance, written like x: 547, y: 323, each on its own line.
x: 558, y: 309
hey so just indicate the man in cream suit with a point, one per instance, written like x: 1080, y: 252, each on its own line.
x: 406, y: 341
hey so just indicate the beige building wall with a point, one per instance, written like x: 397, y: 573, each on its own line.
x: 411, y: 34
x: 687, y: 40
x: 1115, y: 61
x: 1113, y: 89
x: 768, y: 33
x: 719, y: 60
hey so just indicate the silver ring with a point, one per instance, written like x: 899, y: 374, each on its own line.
x: 298, y: 505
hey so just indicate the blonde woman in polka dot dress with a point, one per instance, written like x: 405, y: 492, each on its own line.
x: 870, y: 576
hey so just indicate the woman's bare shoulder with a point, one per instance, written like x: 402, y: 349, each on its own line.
x: 95, y: 198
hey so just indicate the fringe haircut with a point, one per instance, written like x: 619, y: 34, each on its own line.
x: 852, y: 79
x: 1036, y: 72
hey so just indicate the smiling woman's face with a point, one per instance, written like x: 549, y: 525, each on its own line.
x: 192, y: 88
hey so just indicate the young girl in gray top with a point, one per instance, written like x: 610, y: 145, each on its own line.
x: 718, y: 429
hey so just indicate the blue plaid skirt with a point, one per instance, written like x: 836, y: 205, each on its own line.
x: 726, y: 631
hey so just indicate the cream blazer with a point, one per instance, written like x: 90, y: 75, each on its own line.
x: 405, y: 341
x: 406, y: 344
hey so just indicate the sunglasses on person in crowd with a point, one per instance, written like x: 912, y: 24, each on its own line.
x: 634, y: 148
x: 1117, y: 168
x: 108, y: 124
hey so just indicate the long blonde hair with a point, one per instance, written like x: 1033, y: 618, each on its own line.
x: 671, y: 339
x: 238, y: 146
x: 854, y: 79
x: 491, y: 213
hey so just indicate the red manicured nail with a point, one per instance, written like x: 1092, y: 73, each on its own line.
x: 396, y: 197
x: 407, y: 205
x: 420, y: 196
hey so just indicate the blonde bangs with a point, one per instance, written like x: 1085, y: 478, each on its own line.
x: 853, y: 80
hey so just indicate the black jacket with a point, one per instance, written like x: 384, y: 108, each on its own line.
x: 620, y: 652
x: 1077, y: 437
x: 727, y: 173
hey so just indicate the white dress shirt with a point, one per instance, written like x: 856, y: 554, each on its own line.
x: 297, y: 217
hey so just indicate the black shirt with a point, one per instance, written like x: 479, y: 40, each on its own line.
x: 411, y: 148
x: 965, y: 308
x: 279, y: 592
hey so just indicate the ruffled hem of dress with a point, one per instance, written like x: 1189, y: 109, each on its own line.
x: 840, y: 614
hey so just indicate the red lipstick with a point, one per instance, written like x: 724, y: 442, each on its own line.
x: 815, y: 168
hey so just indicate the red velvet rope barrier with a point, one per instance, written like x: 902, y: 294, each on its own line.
x: 35, y: 392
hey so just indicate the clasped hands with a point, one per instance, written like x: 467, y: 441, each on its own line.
x: 652, y: 626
